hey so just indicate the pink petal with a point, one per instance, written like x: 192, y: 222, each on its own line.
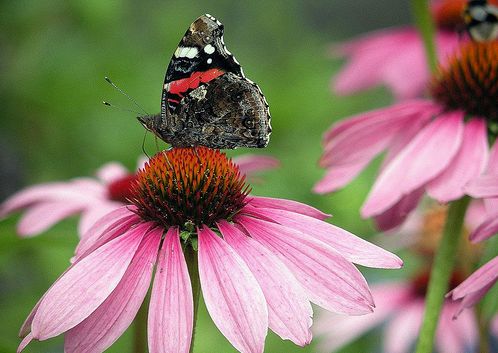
x: 85, y: 286
x: 116, y: 219
x: 288, y: 205
x: 483, y: 277
x: 104, y: 326
x: 493, y: 160
x: 40, y: 217
x: 24, y: 343
x: 336, y: 330
x: 398, y: 213
x: 62, y: 191
x: 330, y: 281
x: 455, y: 335
x: 403, y: 329
x: 486, y: 230
x: 92, y: 214
x: 171, y: 311
x: 484, y: 186
x: 338, y: 176
x: 289, y: 310
x: 232, y: 295
x: 468, y: 163
x: 111, y: 171
x: 475, y: 215
x: 427, y: 155
x: 351, y: 247
x: 250, y: 163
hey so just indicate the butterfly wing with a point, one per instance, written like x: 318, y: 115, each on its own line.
x: 200, y: 57
x: 229, y: 112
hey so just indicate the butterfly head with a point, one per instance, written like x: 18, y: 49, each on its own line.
x: 150, y: 122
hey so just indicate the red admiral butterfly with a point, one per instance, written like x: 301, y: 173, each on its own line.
x: 206, y: 98
x: 481, y: 19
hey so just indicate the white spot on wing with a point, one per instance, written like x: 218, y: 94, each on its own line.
x: 209, y: 49
x: 186, y: 52
x: 209, y: 61
x: 192, y: 53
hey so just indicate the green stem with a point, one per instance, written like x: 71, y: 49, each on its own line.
x: 193, y: 270
x: 423, y: 20
x: 441, y: 273
x: 483, y: 330
x: 140, y: 328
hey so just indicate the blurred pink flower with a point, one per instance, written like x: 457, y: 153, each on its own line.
x: 470, y: 291
x: 392, y: 57
x: 261, y: 262
x: 396, y: 57
x: 435, y: 146
x: 401, y: 306
x: 47, y: 204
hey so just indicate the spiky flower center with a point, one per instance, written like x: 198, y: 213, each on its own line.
x: 469, y: 81
x: 121, y: 189
x: 188, y: 187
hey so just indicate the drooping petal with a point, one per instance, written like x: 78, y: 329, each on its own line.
x: 92, y: 214
x: 351, y: 247
x: 484, y: 186
x: 85, y: 286
x: 475, y: 215
x: 288, y: 205
x: 111, y: 224
x: 251, y: 163
x: 486, y: 229
x: 456, y: 335
x: 66, y: 191
x: 104, y: 326
x: 338, y: 176
x: 486, y: 275
x: 427, y: 155
x: 397, y: 214
x: 40, y: 217
x: 468, y: 163
x: 334, y: 330
x: 330, y: 281
x: 171, y: 310
x: 26, y: 340
x: 232, y: 295
x: 403, y: 329
x: 289, y: 309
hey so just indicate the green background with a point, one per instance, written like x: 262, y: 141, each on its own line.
x: 53, y: 58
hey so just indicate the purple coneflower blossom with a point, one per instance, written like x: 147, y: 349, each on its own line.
x: 47, y: 204
x: 400, y: 306
x: 396, y: 57
x: 261, y: 261
x: 432, y: 145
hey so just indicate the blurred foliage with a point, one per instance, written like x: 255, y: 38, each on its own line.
x: 53, y: 58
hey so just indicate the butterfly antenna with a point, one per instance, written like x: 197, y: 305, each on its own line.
x: 120, y: 108
x: 143, y: 145
x: 125, y: 94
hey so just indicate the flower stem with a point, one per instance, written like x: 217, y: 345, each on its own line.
x: 441, y: 273
x: 193, y: 270
x: 140, y: 328
x: 483, y: 330
x: 426, y: 27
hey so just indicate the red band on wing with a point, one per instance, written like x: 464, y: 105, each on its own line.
x: 185, y: 84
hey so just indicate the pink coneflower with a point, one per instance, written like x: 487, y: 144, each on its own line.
x: 47, y: 204
x: 400, y: 305
x: 260, y: 262
x: 436, y: 146
x: 396, y: 57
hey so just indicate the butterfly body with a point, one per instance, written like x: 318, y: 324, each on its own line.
x: 207, y: 100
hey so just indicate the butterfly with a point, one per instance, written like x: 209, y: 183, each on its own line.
x: 206, y: 98
x: 481, y: 20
